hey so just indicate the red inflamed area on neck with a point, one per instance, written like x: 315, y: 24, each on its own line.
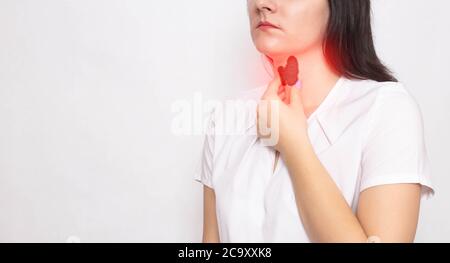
x: 289, y: 73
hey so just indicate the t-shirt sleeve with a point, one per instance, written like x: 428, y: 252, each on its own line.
x: 394, y: 149
x: 204, y: 170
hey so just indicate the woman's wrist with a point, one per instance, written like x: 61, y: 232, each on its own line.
x: 300, y: 145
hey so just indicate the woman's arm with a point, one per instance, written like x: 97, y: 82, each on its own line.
x: 388, y: 212
x: 210, y: 227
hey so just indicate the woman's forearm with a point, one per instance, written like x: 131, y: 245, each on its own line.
x: 322, y: 207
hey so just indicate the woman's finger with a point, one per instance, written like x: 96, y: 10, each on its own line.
x: 295, y: 96
x: 281, y: 90
x: 288, y: 95
x: 282, y: 95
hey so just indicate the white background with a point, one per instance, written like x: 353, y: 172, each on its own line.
x: 86, y: 88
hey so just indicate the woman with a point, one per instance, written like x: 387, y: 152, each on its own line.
x: 350, y: 162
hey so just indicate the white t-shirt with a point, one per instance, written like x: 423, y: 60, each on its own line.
x: 365, y: 133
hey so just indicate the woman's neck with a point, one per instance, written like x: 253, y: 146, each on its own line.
x: 316, y: 76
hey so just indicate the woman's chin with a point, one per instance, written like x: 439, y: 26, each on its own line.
x: 271, y: 46
x: 270, y: 50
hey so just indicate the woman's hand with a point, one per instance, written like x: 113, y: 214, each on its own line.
x: 289, y: 115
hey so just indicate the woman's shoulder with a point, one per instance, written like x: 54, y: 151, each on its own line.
x: 378, y: 89
x: 388, y: 94
x: 386, y: 103
x: 232, y: 123
x: 236, y: 114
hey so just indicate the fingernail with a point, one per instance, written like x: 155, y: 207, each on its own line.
x: 298, y: 84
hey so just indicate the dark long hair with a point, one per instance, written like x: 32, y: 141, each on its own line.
x: 348, y: 43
